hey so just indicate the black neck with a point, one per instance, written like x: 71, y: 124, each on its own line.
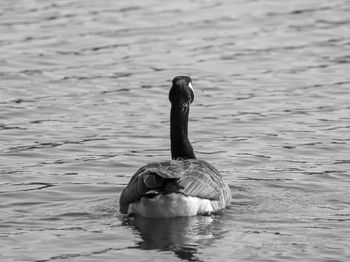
x: 180, y: 145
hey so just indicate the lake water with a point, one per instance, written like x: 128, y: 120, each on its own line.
x: 84, y: 103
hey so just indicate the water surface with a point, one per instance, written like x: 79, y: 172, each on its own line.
x: 83, y: 104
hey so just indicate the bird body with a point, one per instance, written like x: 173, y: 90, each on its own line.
x: 184, y: 186
x: 175, y: 188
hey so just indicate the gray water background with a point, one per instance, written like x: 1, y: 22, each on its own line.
x: 83, y: 104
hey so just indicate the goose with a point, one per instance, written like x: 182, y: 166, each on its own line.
x: 182, y: 186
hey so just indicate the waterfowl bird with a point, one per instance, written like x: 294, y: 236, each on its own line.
x: 183, y: 186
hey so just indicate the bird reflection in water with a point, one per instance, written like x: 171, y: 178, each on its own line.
x: 181, y: 235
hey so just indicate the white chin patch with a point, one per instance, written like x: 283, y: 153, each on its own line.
x: 190, y: 86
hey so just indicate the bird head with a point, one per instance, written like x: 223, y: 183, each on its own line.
x: 181, y: 92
